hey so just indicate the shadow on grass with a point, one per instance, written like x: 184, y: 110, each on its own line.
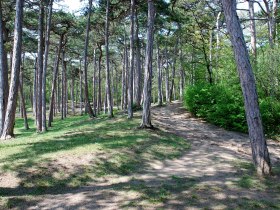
x: 120, y: 150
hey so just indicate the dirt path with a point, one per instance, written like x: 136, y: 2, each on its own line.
x: 207, y: 176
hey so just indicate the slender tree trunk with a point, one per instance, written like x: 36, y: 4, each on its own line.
x: 253, y: 30
x: 146, y: 116
x: 275, y: 4
x: 45, y: 66
x: 35, y: 90
x: 23, y: 107
x: 159, y: 77
x: 259, y: 147
x: 72, y: 94
x: 94, y: 83
x: 130, y: 82
x: 108, y: 80
x: 167, y: 95
x: 99, y: 81
x: 123, y: 80
x: 8, y: 127
x: 173, y: 70
x: 182, y: 74
x: 40, y: 66
x: 81, y: 89
x: 2, y: 73
x: 87, y: 102
x: 55, y: 76
x: 5, y: 68
x: 138, y: 72
x: 211, y: 56
x: 63, y: 86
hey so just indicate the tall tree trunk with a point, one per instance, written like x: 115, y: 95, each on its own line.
x: 45, y: 66
x: 211, y: 56
x: 253, y: 30
x: 2, y: 73
x: 40, y: 66
x: 159, y: 77
x: 108, y: 80
x: 35, y: 90
x: 8, y: 127
x: 123, y: 80
x: 72, y: 94
x: 81, y: 90
x: 94, y: 83
x: 167, y: 95
x: 99, y: 101
x: 87, y: 102
x: 182, y: 73
x: 5, y: 67
x: 259, y: 147
x: 138, y: 72
x: 173, y: 70
x: 63, y: 85
x: 55, y: 76
x: 131, y: 57
x: 23, y: 107
x: 147, y: 92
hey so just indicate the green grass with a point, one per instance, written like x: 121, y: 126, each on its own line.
x: 115, y: 147
x: 79, y: 151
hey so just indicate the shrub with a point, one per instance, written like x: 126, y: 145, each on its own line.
x: 270, y: 110
x: 223, y: 106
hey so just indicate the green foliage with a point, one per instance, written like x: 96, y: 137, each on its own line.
x: 223, y: 106
x: 270, y: 110
x: 218, y: 104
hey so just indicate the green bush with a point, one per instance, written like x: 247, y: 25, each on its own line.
x: 270, y: 110
x: 223, y: 106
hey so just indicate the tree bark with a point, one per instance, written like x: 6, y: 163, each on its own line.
x: 108, y: 80
x: 258, y: 143
x: 81, y: 89
x: 167, y: 95
x: 253, y: 29
x: 2, y: 73
x: 146, y: 116
x: 72, y: 94
x: 45, y: 66
x: 173, y: 71
x: 123, y: 80
x: 35, y: 90
x: 99, y: 101
x: 138, y: 72
x: 94, y: 83
x: 131, y: 61
x: 87, y: 102
x: 55, y: 75
x: 159, y: 77
x: 8, y: 127
x: 23, y: 107
x: 40, y: 66
x: 182, y: 74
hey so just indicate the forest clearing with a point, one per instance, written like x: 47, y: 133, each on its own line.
x: 139, y: 104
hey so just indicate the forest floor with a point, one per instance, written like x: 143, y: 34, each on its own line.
x: 110, y: 164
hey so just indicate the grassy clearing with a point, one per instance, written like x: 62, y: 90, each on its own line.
x: 78, y: 151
